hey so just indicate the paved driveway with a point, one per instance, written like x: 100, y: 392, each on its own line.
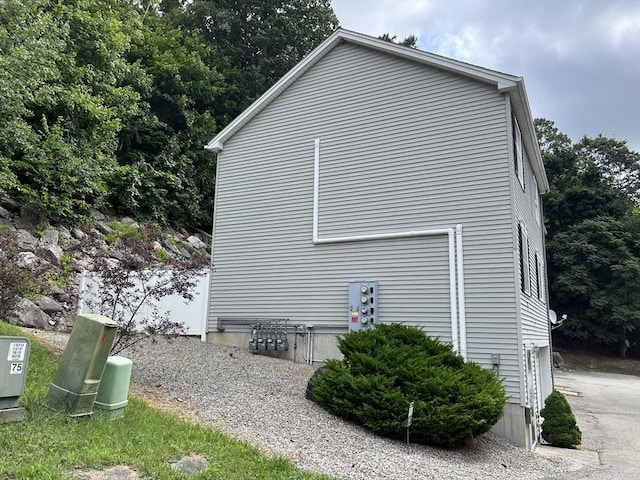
x: 607, y: 408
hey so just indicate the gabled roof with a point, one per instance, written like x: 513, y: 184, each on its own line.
x: 502, y: 81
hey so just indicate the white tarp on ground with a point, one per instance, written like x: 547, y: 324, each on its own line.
x: 192, y: 314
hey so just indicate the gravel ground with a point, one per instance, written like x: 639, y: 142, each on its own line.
x: 261, y: 400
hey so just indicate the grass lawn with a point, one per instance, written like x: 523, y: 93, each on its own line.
x: 49, y: 445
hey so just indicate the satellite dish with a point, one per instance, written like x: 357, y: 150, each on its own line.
x: 553, y: 318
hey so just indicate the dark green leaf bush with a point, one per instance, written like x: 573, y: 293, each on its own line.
x: 559, y: 427
x: 387, y: 367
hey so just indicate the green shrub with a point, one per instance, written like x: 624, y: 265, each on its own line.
x: 559, y: 427
x: 386, y: 368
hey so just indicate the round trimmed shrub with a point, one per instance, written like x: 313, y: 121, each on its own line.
x: 559, y: 427
x: 386, y: 368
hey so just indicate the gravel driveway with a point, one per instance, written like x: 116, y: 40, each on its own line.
x: 261, y: 400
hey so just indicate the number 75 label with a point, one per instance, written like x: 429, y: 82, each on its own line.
x: 16, y: 369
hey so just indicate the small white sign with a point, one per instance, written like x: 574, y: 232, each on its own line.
x: 16, y: 369
x: 410, y: 416
x: 16, y: 352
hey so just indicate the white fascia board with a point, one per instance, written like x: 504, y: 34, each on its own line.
x: 500, y: 80
x: 529, y: 138
x: 214, y: 146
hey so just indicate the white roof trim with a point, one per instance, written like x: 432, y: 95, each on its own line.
x: 503, y: 82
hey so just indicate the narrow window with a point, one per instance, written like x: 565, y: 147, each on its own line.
x: 517, y: 152
x: 540, y: 276
x: 525, y: 274
x: 536, y: 201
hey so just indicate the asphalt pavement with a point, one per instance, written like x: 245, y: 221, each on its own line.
x: 607, y: 410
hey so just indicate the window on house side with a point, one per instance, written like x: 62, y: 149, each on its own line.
x: 525, y: 273
x: 517, y: 152
x: 536, y: 200
x: 540, y: 276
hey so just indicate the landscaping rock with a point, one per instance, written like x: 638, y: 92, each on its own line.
x: 103, y: 228
x: 25, y: 241
x: 78, y: 233
x: 51, y: 253
x: 4, y: 213
x: 10, y: 204
x: 28, y: 314
x: 60, y: 295
x: 191, y: 465
x: 29, y: 260
x: 50, y: 237
x: 195, y: 242
x: 48, y: 305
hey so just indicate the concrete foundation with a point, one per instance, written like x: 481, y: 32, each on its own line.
x: 512, y: 426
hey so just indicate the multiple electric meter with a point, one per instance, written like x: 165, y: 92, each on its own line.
x: 363, y: 305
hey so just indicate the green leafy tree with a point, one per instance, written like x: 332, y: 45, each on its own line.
x: 410, y: 41
x: 62, y: 69
x: 161, y: 146
x: 593, y: 257
x: 256, y: 41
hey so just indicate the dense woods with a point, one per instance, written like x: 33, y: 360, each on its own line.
x: 593, y: 239
x: 107, y: 105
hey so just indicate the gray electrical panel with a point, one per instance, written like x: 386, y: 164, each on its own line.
x: 363, y: 305
x: 14, y: 359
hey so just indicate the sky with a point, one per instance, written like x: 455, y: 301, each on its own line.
x: 580, y: 59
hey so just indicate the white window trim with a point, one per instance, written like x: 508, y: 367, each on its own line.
x: 540, y: 277
x: 517, y: 152
x: 525, y: 272
x: 536, y: 200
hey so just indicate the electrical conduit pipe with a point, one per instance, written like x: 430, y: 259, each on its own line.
x: 453, y: 260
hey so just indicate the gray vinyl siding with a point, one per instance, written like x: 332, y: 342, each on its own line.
x: 403, y: 147
x: 533, y: 309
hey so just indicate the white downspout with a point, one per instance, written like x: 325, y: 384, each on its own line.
x: 386, y: 236
x: 461, y: 296
x: 316, y: 189
x: 205, y: 309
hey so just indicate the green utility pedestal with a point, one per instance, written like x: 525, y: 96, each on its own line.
x: 14, y: 360
x: 114, y: 387
x: 75, y: 385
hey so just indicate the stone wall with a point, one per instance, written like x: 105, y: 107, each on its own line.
x: 41, y: 247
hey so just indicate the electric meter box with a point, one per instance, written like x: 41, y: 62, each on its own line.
x: 363, y: 305
x: 14, y: 360
x: 76, y: 383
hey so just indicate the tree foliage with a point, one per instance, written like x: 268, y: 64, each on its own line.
x: 593, y: 253
x: 386, y: 368
x: 108, y: 104
x: 410, y: 41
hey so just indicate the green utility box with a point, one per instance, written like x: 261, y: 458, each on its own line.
x: 75, y: 385
x: 114, y: 387
x: 14, y: 360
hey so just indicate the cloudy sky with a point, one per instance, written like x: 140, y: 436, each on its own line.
x: 580, y: 58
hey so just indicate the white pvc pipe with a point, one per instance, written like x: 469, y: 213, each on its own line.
x: 461, y: 296
x: 205, y: 309
x: 385, y: 236
x: 316, y: 188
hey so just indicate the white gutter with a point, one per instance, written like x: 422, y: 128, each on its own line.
x: 386, y: 236
x: 461, y: 302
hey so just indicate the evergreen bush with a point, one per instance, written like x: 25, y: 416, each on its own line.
x: 386, y: 368
x: 559, y: 427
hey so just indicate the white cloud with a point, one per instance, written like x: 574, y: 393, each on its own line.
x: 580, y: 58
